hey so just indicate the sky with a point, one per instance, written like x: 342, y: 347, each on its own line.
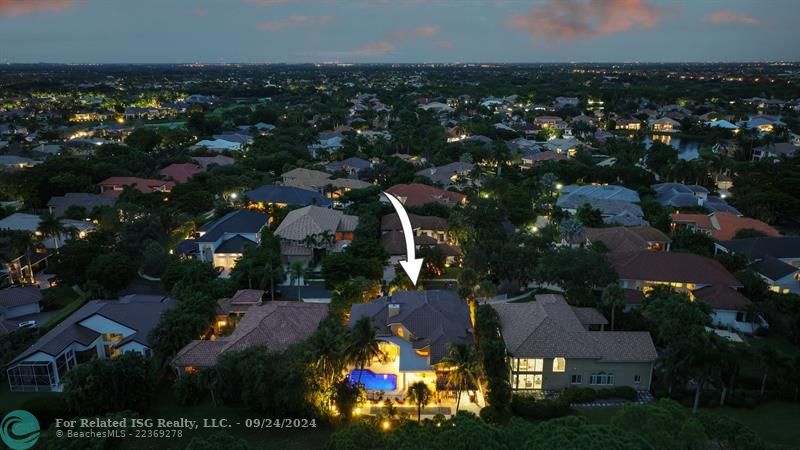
x: 397, y: 31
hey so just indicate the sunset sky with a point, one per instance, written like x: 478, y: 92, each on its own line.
x: 161, y: 31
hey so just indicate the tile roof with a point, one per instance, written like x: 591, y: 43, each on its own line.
x: 442, y: 174
x: 143, y: 185
x: 724, y: 225
x: 550, y: 328
x: 310, y: 220
x: 773, y: 268
x: 435, y: 317
x: 275, y: 325
x: 18, y: 296
x: 721, y: 297
x: 88, y: 201
x: 392, y: 222
x: 601, y: 191
x: 625, y: 239
x: 670, y: 267
x: 288, y: 195
x: 419, y: 194
x: 180, y: 173
x: 137, y: 312
x: 220, y: 160
x: 759, y: 247
x: 394, y: 242
x: 238, y: 221
x: 234, y: 245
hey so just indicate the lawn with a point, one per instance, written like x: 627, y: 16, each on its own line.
x: 10, y: 401
x: 775, y: 422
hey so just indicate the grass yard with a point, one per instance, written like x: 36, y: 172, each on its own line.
x: 9, y: 401
x: 775, y: 422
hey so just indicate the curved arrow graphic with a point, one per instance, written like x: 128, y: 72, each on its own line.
x: 412, y: 265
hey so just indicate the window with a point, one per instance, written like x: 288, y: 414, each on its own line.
x: 637, y: 379
x: 601, y: 379
x: 528, y: 381
x: 577, y: 379
x: 531, y: 365
x: 559, y: 364
x: 740, y: 316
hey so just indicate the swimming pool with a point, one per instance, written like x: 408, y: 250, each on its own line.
x: 375, y: 381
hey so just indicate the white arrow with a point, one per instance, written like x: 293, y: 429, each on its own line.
x: 412, y: 265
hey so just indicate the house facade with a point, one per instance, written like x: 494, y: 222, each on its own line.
x: 551, y: 345
x: 775, y: 259
x: 313, y: 228
x: 222, y: 241
x: 100, y: 329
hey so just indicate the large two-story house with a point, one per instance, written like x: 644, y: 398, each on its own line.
x: 775, y: 259
x: 704, y: 279
x: 313, y: 228
x: 100, y: 329
x: 221, y: 242
x: 415, y: 329
x: 551, y: 345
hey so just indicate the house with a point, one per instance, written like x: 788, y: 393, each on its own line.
x: 329, y: 142
x: 551, y: 345
x: 774, y: 151
x: 275, y: 325
x: 628, y: 239
x: 775, y: 259
x: 221, y: 242
x: 448, y: 174
x: 10, y: 163
x: 352, y: 166
x: 617, y: 204
x: 58, y: 205
x: 628, y: 124
x: 180, y: 173
x: 282, y: 196
x: 415, y: 329
x: 99, y: 329
x: 724, y: 124
x: 722, y: 226
x: 703, y: 279
x: 16, y: 302
x: 565, y: 146
x: 206, y: 161
x: 321, y: 182
x: 330, y: 229
x: 416, y: 194
x: 218, y: 145
x: 727, y: 147
x: 764, y: 123
x: 664, y: 124
x: 429, y: 231
x: 29, y: 223
x: 533, y: 159
x: 550, y: 122
x: 113, y: 187
x: 561, y: 102
x: 689, y: 196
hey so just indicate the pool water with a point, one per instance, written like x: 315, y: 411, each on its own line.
x: 375, y: 381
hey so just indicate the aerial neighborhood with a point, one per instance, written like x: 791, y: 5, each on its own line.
x: 612, y: 239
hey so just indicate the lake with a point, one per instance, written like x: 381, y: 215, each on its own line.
x: 688, y: 149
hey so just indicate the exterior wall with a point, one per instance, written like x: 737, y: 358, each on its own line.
x: 624, y: 374
x: 226, y: 260
x: 23, y: 310
x: 728, y: 319
x: 134, y: 347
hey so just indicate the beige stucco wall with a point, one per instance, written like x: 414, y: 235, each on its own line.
x: 623, y: 374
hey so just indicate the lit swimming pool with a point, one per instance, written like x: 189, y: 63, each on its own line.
x: 375, y: 381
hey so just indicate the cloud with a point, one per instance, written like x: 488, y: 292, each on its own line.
x: 13, y: 8
x: 294, y: 22
x: 378, y: 48
x: 725, y: 16
x: 271, y: 2
x: 581, y: 19
x: 419, y: 32
x: 444, y: 44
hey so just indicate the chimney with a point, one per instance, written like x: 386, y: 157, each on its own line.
x: 394, y: 309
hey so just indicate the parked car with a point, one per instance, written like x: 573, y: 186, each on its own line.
x: 28, y: 324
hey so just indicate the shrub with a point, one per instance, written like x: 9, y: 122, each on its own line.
x: 492, y: 415
x: 46, y: 409
x: 189, y: 389
x: 578, y: 395
x: 218, y: 440
x: 530, y: 408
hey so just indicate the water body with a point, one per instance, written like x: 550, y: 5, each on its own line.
x: 688, y: 149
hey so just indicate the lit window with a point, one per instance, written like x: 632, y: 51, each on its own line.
x: 559, y: 364
x: 531, y: 365
x: 577, y: 379
x: 400, y: 331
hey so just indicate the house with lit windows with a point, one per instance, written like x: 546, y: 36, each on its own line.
x: 222, y: 242
x: 414, y: 329
x: 551, y: 345
x: 100, y: 329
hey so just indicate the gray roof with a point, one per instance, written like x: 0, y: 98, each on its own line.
x: 355, y: 163
x: 607, y: 192
x: 239, y: 221
x: 88, y: 201
x: 773, y: 268
x: 138, y: 312
x: 18, y: 296
x: 550, y: 328
x: 759, y: 247
x: 289, y: 195
x: 608, y: 207
x: 436, y: 318
x: 235, y: 244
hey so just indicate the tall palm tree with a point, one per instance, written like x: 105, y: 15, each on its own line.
x: 296, y: 271
x: 310, y: 242
x: 462, y: 360
x: 326, y: 239
x: 420, y: 394
x: 22, y: 243
x: 50, y: 226
x: 363, y: 345
x: 613, y: 297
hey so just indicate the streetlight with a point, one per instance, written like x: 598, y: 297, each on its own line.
x: 559, y: 186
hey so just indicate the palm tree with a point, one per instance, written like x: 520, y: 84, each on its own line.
x: 50, y: 226
x: 420, y: 394
x: 22, y: 243
x: 363, y: 345
x: 310, y: 242
x: 326, y: 239
x: 462, y: 360
x: 613, y: 297
x: 296, y: 271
